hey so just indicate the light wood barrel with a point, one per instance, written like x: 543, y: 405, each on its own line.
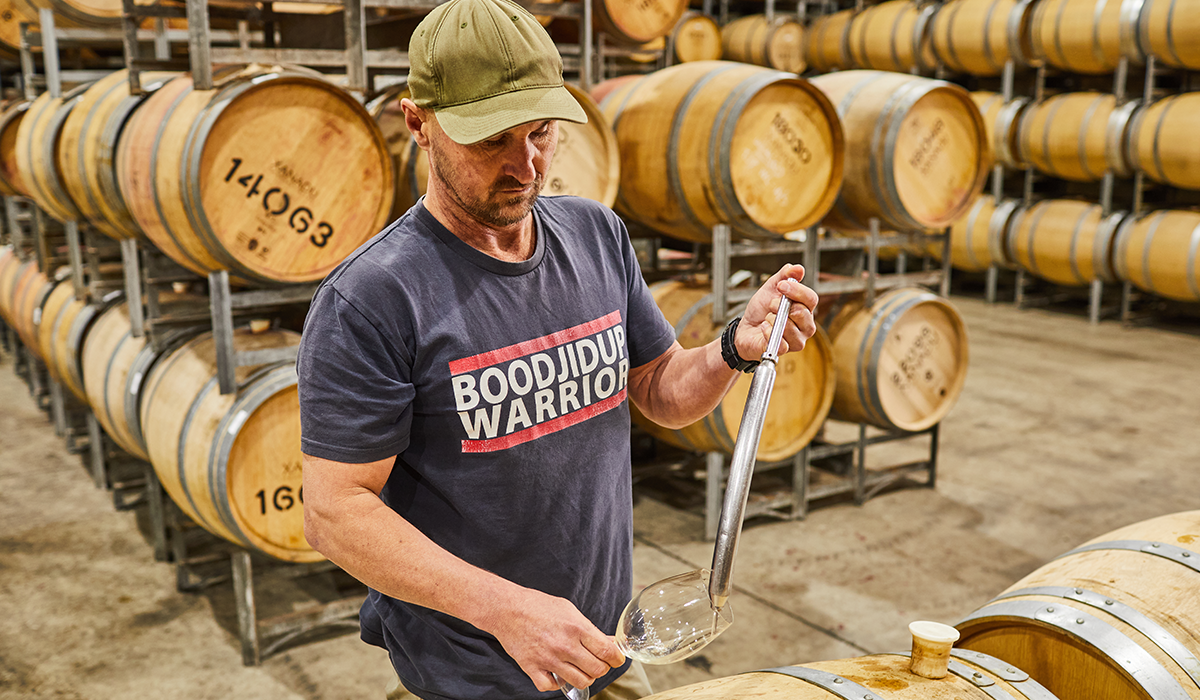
x: 990, y: 105
x: 1158, y: 253
x: 86, y: 155
x: 901, y: 363
x: 916, y: 150
x: 1116, y: 618
x: 977, y: 241
x: 800, y: 401
x: 1079, y: 36
x: 586, y: 162
x: 971, y: 676
x: 10, y: 122
x: 1166, y: 30
x: 9, y: 265
x: 82, y: 13
x: 752, y: 39
x: 636, y: 23
x: 38, y: 140
x: 12, y: 14
x: 1162, y: 141
x: 29, y: 294
x: 1002, y: 120
x: 892, y: 36
x: 827, y: 47
x: 696, y: 37
x: 721, y: 142
x: 980, y: 36
x: 1064, y: 241
x: 62, y: 295
x: 231, y: 462
x: 272, y: 175
x: 68, y: 331
x: 1067, y: 135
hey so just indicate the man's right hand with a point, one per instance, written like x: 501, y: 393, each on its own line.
x: 545, y: 634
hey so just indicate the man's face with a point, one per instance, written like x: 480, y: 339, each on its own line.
x: 497, y: 180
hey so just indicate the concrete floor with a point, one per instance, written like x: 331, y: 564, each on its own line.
x: 1064, y: 431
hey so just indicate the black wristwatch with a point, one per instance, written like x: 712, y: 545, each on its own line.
x: 729, y: 350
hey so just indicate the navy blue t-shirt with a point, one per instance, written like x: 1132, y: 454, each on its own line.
x: 501, y: 389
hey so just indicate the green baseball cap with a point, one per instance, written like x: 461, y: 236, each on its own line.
x: 485, y: 66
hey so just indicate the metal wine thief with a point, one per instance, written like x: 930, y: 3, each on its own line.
x: 741, y: 466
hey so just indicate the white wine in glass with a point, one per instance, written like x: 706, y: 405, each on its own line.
x: 667, y: 622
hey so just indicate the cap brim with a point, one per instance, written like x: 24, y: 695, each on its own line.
x: 483, y: 119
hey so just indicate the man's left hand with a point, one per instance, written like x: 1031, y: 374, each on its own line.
x: 755, y: 327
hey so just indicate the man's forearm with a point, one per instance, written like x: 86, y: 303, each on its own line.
x: 684, y: 387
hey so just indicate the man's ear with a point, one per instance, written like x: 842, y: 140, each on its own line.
x: 416, y: 119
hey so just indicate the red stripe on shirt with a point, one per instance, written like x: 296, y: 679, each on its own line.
x: 528, y: 347
x: 550, y: 426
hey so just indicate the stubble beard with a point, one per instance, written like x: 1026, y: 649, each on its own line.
x: 495, y: 209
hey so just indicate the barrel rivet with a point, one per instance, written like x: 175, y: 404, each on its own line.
x: 1186, y: 555
x: 1010, y: 669
x: 977, y: 674
x: 1108, y: 602
x: 1049, y: 610
x: 837, y: 681
x: 1079, y: 621
x: 868, y: 697
x: 1154, y: 545
x: 1078, y: 591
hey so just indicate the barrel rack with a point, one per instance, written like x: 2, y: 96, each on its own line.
x: 842, y: 464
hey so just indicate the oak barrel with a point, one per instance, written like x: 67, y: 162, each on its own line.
x: 1115, y: 618
x: 68, y: 332
x: 9, y: 265
x: 1078, y: 36
x: 231, y: 462
x: 586, y: 162
x: 1162, y: 141
x: 116, y: 366
x: 827, y: 47
x: 980, y: 36
x: 86, y: 155
x: 637, y: 21
x: 1067, y: 135
x: 1001, y: 120
x: 990, y: 105
x: 971, y: 676
x: 58, y: 299
x: 721, y: 142
x: 799, y: 404
x: 81, y: 13
x: 1158, y: 253
x: 1166, y: 30
x: 900, y: 363
x: 10, y: 122
x: 1064, y: 241
x: 778, y: 44
x: 916, y: 150
x: 892, y: 36
x: 273, y: 175
x: 29, y: 293
x: 696, y: 37
x: 977, y: 241
x: 38, y: 141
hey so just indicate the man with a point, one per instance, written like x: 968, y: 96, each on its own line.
x: 463, y: 379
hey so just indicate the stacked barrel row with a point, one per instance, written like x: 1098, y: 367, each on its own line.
x: 1114, y: 619
x: 769, y: 153
x: 978, y: 37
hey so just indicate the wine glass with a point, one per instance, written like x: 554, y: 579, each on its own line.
x: 667, y: 622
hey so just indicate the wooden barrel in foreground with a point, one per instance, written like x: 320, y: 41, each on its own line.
x: 977, y: 241
x: 1160, y: 253
x: 38, y: 141
x: 827, y: 47
x: 231, y: 462
x: 1064, y: 241
x: 1162, y: 141
x: 10, y: 123
x: 1116, y: 618
x: 1067, y: 135
x: 696, y: 37
x: 586, y: 162
x: 892, y: 36
x: 721, y: 142
x: 635, y: 23
x: 273, y: 175
x: 799, y: 404
x: 1166, y: 30
x: 901, y: 363
x: 1078, y: 36
x: 980, y: 36
x: 778, y: 44
x: 86, y: 155
x: 971, y: 676
x: 915, y: 150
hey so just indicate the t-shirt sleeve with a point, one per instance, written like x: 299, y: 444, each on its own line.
x: 355, y: 387
x: 650, y: 334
